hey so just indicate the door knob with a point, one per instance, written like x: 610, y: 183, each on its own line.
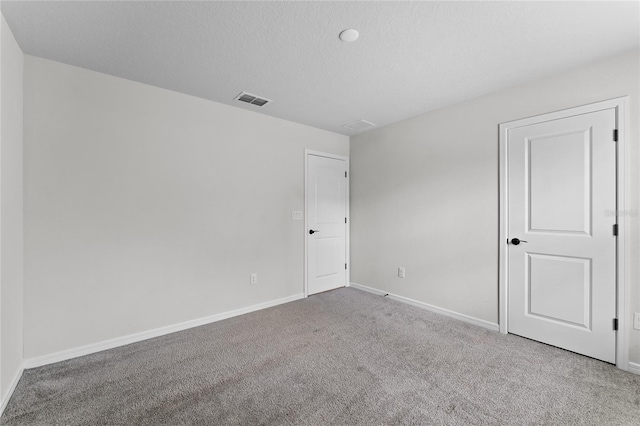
x: 312, y: 231
x: 516, y: 241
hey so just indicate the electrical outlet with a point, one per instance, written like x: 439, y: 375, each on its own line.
x: 254, y: 278
x: 401, y: 272
x: 636, y: 321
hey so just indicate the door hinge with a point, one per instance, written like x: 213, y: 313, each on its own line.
x: 345, y: 174
x: 615, y: 135
x: 615, y: 323
x: 345, y: 220
x: 345, y: 266
x: 615, y: 229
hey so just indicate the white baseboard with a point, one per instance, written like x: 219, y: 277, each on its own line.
x: 368, y: 289
x: 634, y: 368
x: 137, y: 337
x: 4, y: 401
x: 428, y: 307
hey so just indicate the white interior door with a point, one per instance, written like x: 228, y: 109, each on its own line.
x: 326, y: 195
x: 561, y: 198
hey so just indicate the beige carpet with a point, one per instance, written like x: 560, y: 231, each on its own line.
x: 341, y: 357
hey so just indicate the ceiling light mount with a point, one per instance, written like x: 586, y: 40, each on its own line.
x: 349, y: 35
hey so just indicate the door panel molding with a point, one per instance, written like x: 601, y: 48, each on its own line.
x: 622, y: 285
x: 307, y: 154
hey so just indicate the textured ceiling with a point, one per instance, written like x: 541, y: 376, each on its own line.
x: 411, y: 57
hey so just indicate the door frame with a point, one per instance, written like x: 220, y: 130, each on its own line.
x: 622, y: 179
x: 307, y: 153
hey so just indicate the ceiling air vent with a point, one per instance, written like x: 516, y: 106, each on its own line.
x: 252, y: 99
x: 360, y: 125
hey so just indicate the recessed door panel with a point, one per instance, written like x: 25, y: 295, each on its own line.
x: 560, y: 182
x: 330, y: 193
x: 559, y: 289
x: 328, y: 257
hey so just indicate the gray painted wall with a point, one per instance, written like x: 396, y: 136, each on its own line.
x: 146, y: 208
x: 11, y: 217
x: 424, y: 191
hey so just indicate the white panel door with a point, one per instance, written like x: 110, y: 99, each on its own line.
x: 326, y: 220
x: 561, y: 192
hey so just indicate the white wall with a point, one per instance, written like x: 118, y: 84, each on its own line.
x: 11, y: 238
x: 146, y: 208
x: 424, y: 191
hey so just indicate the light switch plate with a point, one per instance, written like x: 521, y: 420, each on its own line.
x: 296, y: 215
x: 636, y: 321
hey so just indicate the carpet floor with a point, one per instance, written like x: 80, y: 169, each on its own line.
x: 342, y: 357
